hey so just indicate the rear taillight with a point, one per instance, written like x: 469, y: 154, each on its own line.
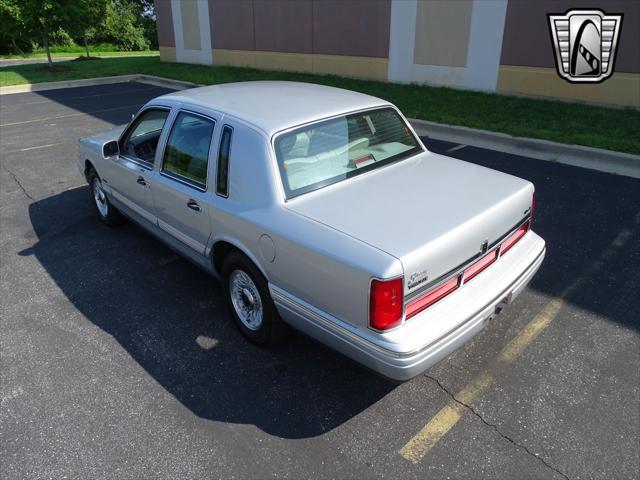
x: 385, y: 303
x: 513, y: 238
x: 432, y: 297
x: 480, y: 265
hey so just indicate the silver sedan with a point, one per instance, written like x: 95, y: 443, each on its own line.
x: 321, y: 209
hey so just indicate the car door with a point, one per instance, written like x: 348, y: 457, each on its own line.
x: 130, y: 178
x: 181, y: 189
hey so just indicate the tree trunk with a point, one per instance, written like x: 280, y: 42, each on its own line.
x: 86, y: 45
x: 16, y: 49
x: 45, y: 44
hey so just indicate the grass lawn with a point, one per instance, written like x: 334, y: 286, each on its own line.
x: 572, y: 123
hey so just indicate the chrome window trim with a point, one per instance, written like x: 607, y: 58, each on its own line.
x: 127, y: 131
x: 224, y: 126
x: 183, y: 180
x: 180, y: 178
x: 141, y: 163
x: 409, y: 297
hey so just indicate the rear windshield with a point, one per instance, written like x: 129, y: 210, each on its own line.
x: 328, y: 152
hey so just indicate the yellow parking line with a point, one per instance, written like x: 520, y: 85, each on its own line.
x: 529, y: 333
x: 416, y: 448
x: 451, y: 413
x: 432, y: 432
x: 444, y: 420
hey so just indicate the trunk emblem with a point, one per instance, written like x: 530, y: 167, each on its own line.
x: 417, y: 278
x: 484, y: 246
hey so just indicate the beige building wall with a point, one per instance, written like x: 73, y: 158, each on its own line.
x: 340, y: 37
x: 190, y: 25
x: 622, y: 89
x: 442, y: 32
x: 451, y: 43
x: 344, y: 65
x: 492, y: 45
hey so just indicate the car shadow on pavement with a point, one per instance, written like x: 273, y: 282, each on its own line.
x: 171, y: 318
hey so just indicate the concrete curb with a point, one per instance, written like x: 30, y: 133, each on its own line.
x: 166, y: 82
x: 85, y: 82
x: 575, y: 155
x: 88, y: 82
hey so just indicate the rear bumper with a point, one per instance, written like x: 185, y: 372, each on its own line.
x: 445, y: 327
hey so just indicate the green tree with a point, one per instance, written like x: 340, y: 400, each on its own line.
x: 147, y: 19
x: 12, y: 34
x: 40, y: 17
x: 121, y: 25
x: 86, y: 24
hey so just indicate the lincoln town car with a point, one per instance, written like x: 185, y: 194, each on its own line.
x: 321, y: 209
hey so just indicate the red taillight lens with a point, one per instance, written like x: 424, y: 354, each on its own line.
x: 513, y: 239
x: 385, y: 303
x: 432, y: 297
x: 480, y: 265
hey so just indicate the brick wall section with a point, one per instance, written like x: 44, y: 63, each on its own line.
x: 331, y: 27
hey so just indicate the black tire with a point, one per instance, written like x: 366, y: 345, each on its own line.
x: 271, y: 328
x: 107, y: 213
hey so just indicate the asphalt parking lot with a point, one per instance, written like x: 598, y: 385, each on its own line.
x: 118, y: 360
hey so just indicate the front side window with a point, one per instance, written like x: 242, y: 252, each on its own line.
x: 330, y: 151
x: 141, y: 141
x: 187, y: 152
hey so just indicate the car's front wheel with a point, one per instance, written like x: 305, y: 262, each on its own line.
x: 249, y: 301
x: 107, y: 213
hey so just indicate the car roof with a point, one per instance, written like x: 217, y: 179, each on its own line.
x: 272, y: 106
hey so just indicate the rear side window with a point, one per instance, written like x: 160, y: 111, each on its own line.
x: 187, y: 152
x: 222, y: 187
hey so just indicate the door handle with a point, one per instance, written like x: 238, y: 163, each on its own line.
x: 193, y: 205
x: 141, y: 181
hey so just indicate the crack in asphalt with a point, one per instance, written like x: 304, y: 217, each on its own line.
x: 13, y: 175
x: 495, y: 427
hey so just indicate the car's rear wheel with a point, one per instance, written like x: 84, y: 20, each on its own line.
x: 107, y: 213
x: 249, y: 301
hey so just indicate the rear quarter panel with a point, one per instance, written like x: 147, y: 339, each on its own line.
x: 314, y: 262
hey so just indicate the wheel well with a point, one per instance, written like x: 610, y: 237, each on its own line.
x: 88, y: 166
x: 220, y: 250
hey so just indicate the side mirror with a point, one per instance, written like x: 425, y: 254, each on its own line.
x: 110, y: 149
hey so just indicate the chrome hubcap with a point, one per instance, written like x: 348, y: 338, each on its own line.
x: 100, y: 198
x: 245, y: 299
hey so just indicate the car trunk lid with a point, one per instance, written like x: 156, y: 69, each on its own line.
x: 432, y: 212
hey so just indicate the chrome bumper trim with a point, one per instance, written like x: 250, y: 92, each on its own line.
x: 333, y: 325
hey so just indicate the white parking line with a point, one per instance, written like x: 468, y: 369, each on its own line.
x: 40, y: 146
x: 44, y: 119
x: 456, y: 148
x: 78, y: 98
